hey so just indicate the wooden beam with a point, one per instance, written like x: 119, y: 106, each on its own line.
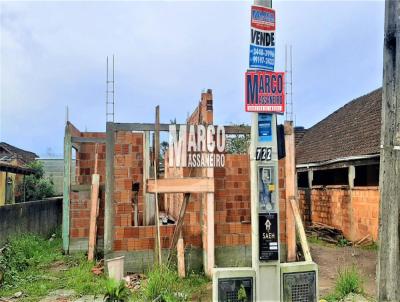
x: 178, y: 226
x: 94, y: 208
x: 300, y: 230
x: 291, y: 190
x: 94, y: 211
x: 181, y: 185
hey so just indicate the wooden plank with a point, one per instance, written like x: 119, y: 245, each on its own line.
x: 300, y: 230
x: 66, y: 188
x: 180, y: 251
x: 178, y: 226
x: 94, y: 206
x: 157, y: 220
x: 181, y: 185
x: 290, y: 179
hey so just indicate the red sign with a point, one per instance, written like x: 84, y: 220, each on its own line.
x: 265, y: 91
x: 263, y: 18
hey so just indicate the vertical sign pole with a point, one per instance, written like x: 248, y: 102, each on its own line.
x: 265, y: 202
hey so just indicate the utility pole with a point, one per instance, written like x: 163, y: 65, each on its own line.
x: 388, y: 271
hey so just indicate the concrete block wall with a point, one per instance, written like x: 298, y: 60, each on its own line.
x: 354, y: 211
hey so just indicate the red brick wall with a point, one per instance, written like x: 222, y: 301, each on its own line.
x: 80, y: 201
x: 354, y: 211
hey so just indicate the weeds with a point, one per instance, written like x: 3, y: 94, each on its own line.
x: 348, y: 281
x: 27, y: 264
x: 164, y: 284
x: 35, y: 267
x: 116, y: 291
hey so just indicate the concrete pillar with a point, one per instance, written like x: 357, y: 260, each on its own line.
x: 352, y: 176
x: 310, y: 178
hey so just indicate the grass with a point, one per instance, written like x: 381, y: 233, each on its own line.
x: 36, y: 266
x: 164, y: 283
x: 348, y: 281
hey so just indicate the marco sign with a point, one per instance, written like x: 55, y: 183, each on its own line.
x: 264, y: 91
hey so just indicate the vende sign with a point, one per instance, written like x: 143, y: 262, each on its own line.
x: 265, y: 91
x: 262, y: 18
x: 262, y: 38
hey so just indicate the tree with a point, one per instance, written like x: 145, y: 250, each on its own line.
x: 37, y: 186
x: 237, y: 143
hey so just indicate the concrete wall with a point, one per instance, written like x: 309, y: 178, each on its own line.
x: 354, y: 211
x: 37, y: 217
x: 54, y: 169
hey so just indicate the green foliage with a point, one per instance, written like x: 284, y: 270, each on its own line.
x: 348, y: 281
x: 23, y: 253
x: 116, y: 291
x: 237, y: 143
x: 37, y: 186
x: 242, y: 296
x: 36, y: 266
x: 342, y: 242
x: 164, y: 283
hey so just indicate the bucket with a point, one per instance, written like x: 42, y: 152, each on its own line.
x: 115, y: 267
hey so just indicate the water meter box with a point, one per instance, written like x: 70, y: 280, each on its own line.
x: 234, y: 284
x: 299, y: 282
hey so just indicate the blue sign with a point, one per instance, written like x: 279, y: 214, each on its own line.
x: 262, y: 57
x: 264, y: 127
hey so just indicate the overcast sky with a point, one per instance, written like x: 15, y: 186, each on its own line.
x: 53, y: 54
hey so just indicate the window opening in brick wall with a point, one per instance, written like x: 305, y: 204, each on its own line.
x: 302, y: 179
x: 367, y: 175
x: 331, y: 177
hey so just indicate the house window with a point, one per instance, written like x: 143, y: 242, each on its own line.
x: 302, y: 179
x: 331, y: 177
x: 367, y: 175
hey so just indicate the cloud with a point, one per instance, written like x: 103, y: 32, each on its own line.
x: 53, y: 55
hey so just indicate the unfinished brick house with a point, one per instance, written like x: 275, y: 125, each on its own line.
x: 337, y: 162
x: 216, y: 230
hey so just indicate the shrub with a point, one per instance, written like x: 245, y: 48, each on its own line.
x: 37, y: 186
x: 116, y: 291
x: 348, y: 281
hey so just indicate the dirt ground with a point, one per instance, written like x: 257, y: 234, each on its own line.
x: 331, y: 258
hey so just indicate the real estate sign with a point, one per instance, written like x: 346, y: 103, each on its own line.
x: 262, y: 38
x: 264, y: 91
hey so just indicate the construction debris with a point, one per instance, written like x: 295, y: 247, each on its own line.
x: 134, y: 281
x: 365, y: 241
x: 327, y: 233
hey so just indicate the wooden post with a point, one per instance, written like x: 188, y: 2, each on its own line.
x: 388, y: 270
x: 300, y: 230
x: 291, y: 190
x: 66, y: 188
x: 180, y: 248
x: 94, y: 209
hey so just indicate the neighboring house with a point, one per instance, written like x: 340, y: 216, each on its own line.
x: 12, y: 170
x: 54, y: 169
x: 337, y: 162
